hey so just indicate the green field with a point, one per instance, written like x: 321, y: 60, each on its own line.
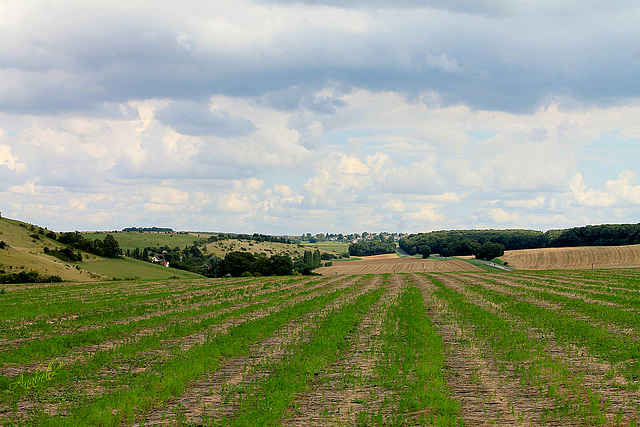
x: 447, y: 349
x: 340, y: 248
x: 26, y: 252
x: 128, y: 268
x: 142, y: 240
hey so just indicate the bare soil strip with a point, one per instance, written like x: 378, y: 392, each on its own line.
x: 593, y: 373
x: 92, y: 388
x: 180, y: 301
x: 486, y: 395
x: 215, y: 397
x: 524, y: 296
x: 563, y: 288
x: 341, y: 391
x: 82, y: 354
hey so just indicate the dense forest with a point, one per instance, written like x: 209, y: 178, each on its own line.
x: 469, y: 242
x: 371, y: 247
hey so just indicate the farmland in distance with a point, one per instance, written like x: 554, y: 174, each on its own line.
x: 391, y: 263
x: 574, y: 258
x: 434, y: 348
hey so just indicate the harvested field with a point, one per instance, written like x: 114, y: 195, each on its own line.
x: 574, y: 258
x: 381, y: 264
x: 556, y: 348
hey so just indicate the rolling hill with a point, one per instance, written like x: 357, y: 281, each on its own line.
x: 25, y: 251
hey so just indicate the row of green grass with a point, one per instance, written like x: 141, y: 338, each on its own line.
x: 508, y: 343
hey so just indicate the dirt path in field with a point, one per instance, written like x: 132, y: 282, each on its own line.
x: 340, y: 393
x: 589, y: 372
x: 486, y: 395
x: 216, y: 396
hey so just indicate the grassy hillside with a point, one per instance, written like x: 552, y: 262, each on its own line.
x: 142, y: 240
x: 25, y: 252
x: 339, y: 248
x: 129, y: 268
x: 221, y: 248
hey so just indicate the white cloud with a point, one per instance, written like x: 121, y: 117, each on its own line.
x: 459, y: 172
x: 536, y: 203
x: 424, y: 213
x: 500, y: 216
x: 624, y: 188
x: 589, y: 197
x: 10, y: 161
x: 168, y: 196
x: 288, y: 114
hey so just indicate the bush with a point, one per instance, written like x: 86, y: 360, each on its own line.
x: 29, y: 277
x: 65, y: 254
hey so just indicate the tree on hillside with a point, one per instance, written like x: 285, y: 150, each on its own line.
x: 425, y: 250
x: 110, y: 247
x: 489, y: 251
x: 236, y: 263
x: 281, y: 265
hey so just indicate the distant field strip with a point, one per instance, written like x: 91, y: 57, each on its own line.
x: 374, y: 265
x: 574, y: 258
x: 441, y: 348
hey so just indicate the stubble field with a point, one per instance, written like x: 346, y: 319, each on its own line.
x: 574, y: 258
x: 456, y: 348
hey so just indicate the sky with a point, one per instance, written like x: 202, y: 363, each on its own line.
x: 288, y: 117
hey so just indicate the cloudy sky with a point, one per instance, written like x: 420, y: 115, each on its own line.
x: 285, y: 116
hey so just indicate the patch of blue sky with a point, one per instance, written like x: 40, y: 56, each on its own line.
x: 604, y: 158
x: 371, y: 138
x: 480, y: 135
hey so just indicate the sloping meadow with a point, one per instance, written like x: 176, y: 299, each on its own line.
x: 447, y: 349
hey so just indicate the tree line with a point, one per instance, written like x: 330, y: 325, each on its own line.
x: 108, y: 248
x: 475, y: 242
x: 371, y: 247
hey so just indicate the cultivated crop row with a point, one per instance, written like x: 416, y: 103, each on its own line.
x: 446, y: 349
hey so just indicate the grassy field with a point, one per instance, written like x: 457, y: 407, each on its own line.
x: 128, y: 268
x: 142, y: 240
x: 448, y: 349
x: 340, y: 248
x: 26, y: 252
x: 223, y: 247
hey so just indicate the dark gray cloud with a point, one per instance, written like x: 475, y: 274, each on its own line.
x: 195, y: 119
x: 297, y: 97
x: 485, y: 54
